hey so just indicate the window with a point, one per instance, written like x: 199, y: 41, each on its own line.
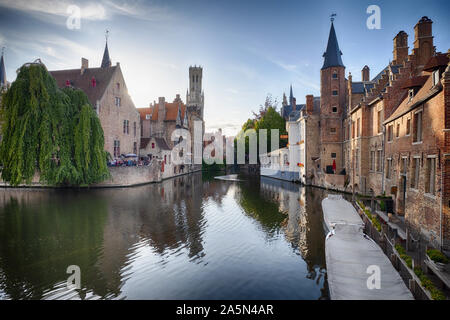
x: 408, y: 127
x: 415, y: 169
x: 430, y: 177
x: 390, y: 132
x: 147, y: 117
x: 411, y: 94
x: 153, y: 145
x: 435, y: 77
x: 135, y: 147
x: 334, y: 109
x: 332, y: 130
x: 380, y: 125
x: 335, y: 75
x: 134, y: 128
x: 165, y: 159
x: 334, y: 93
x: 358, y: 127
x: 116, y: 148
x: 397, y: 134
x: 404, y: 166
x: 388, y: 168
x: 417, y: 129
x: 118, y: 86
x: 357, y: 160
x: 333, y: 155
x: 117, y: 101
x: 379, y: 160
x: 372, y: 160
x: 126, y: 126
x: 353, y: 129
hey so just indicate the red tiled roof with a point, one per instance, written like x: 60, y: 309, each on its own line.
x: 439, y: 60
x: 84, y: 81
x: 171, y: 111
x: 414, y: 82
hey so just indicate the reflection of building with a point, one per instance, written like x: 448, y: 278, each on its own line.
x: 108, y: 94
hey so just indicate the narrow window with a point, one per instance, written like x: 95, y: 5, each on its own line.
x: 379, y: 161
x: 397, y: 134
x: 388, y: 168
x: 358, y: 127
x: 408, y: 127
x: 379, y: 121
x: 431, y: 176
x: 417, y: 131
x: 415, y: 167
x: 390, y: 132
x: 134, y: 128
x: 334, y: 93
x: 372, y: 160
x: 135, y: 147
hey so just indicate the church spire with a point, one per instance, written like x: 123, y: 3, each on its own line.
x: 291, y: 97
x: 2, y: 71
x: 333, y: 54
x: 106, y: 61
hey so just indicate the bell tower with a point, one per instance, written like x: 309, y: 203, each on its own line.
x: 195, y: 96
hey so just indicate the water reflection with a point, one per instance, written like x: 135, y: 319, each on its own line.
x: 192, y: 237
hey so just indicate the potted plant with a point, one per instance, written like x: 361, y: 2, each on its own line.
x: 437, y: 258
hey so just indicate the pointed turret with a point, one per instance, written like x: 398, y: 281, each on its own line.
x: 3, y: 82
x: 106, y: 61
x: 333, y: 54
x: 178, y: 120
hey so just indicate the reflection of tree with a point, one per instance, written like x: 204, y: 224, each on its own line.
x: 41, y: 234
x: 303, y: 226
x: 262, y: 209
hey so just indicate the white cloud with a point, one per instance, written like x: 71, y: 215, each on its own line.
x: 54, y: 11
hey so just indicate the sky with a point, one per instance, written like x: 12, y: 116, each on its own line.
x: 247, y: 48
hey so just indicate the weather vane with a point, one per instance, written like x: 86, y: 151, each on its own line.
x: 3, y: 50
x: 332, y: 16
x: 106, y: 35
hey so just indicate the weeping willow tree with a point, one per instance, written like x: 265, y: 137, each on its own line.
x: 54, y: 132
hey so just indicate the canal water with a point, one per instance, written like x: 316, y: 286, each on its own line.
x: 191, y: 237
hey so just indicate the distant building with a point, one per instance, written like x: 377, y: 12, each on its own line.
x: 162, y: 118
x: 107, y: 92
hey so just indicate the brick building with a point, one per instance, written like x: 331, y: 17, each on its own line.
x: 389, y: 134
x: 162, y: 118
x: 108, y: 94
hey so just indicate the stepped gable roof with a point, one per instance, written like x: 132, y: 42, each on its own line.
x: 333, y: 54
x: 84, y: 81
x: 414, y: 82
x: 426, y: 92
x: 439, y: 60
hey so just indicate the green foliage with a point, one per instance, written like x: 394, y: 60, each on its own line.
x: 382, y: 205
x: 52, y: 131
x: 437, y: 256
x: 267, y: 118
x: 436, y: 294
x: 213, y: 167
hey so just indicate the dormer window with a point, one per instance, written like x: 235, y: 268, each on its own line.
x: 411, y: 94
x: 435, y: 77
x: 147, y: 117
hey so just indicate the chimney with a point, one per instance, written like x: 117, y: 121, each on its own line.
x: 400, y: 52
x: 365, y: 73
x: 309, y: 104
x: 423, y: 41
x: 84, y: 64
x: 161, y: 109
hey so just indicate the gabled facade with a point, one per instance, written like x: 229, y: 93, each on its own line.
x: 108, y: 94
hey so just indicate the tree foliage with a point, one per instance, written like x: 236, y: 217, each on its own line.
x: 55, y: 132
x: 266, y: 118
